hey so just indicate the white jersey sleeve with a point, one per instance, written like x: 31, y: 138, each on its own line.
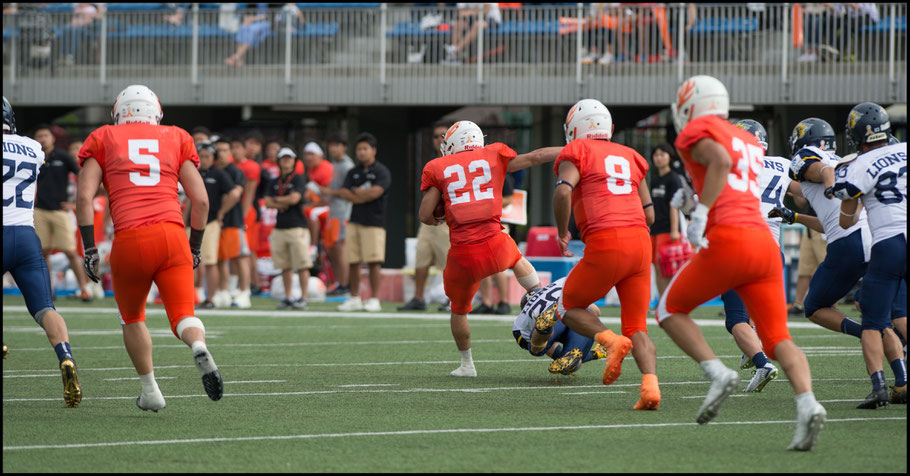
x: 22, y: 160
x: 549, y: 296
x: 774, y: 184
x: 879, y: 178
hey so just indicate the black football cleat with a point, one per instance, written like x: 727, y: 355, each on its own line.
x: 878, y: 398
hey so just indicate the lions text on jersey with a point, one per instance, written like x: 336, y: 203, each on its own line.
x: 879, y: 178
x: 549, y: 296
x: 774, y: 182
x: 22, y: 159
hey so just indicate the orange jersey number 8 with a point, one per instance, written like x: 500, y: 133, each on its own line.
x: 136, y: 147
x: 480, y: 180
x: 750, y: 158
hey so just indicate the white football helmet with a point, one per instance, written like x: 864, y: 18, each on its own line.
x: 463, y: 135
x: 588, y: 119
x: 137, y: 103
x: 698, y: 96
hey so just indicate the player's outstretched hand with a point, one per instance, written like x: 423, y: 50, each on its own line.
x: 90, y: 263
x: 197, y: 257
x: 564, y: 245
x: 788, y: 215
x: 696, y: 230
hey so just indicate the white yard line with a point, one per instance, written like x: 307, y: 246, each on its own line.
x: 414, y: 432
x: 256, y: 381
x: 137, y: 378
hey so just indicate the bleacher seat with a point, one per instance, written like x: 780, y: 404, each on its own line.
x: 724, y: 26
x: 306, y: 6
x: 884, y: 25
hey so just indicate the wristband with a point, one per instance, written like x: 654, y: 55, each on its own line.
x: 847, y: 214
x: 88, y: 236
x: 795, y: 216
x: 648, y: 205
x: 196, y: 238
x: 563, y: 182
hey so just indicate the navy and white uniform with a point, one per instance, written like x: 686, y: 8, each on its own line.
x: 847, y: 251
x: 22, y: 160
x: 878, y: 177
x: 549, y: 297
x: 774, y: 181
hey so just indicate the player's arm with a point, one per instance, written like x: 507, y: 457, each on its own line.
x: 820, y: 173
x: 562, y: 202
x: 229, y: 200
x: 359, y: 195
x: 718, y: 163
x: 537, y: 157
x: 648, y: 205
x: 792, y: 217
x: 89, y: 179
x: 428, y: 204
x: 849, y: 212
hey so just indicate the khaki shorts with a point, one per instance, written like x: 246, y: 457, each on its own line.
x: 291, y: 248
x: 210, y: 241
x: 366, y: 244
x: 55, y: 229
x: 432, y: 246
x: 812, y: 251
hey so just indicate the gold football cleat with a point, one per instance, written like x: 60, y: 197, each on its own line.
x: 72, y: 392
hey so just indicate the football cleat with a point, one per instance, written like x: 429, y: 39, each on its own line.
x: 809, y: 423
x: 878, y: 398
x: 211, y: 378
x: 5, y: 351
x: 650, y: 393
x: 617, y: 348
x: 760, y: 378
x: 152, y: 402
x: 299, y: 305
x: 545, y: 321
x: 352, y: 304
x: 745, y: 362
x: 721, y: 387
x: 414, y: 305
x: 898, y: 394
x: 464, y: 371
x: 598, y: 351
x: 72, y: 392
x: 566, y: 364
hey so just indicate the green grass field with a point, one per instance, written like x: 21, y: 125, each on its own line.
x: 322, y: 391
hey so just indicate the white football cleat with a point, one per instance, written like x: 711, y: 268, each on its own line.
x: 809, y: 422
x: 352, y: 304
x: 372, y: 305
x: 464, y: 371
x: 151, y: 401
x: 243, y: 299
x: 761, y: 377
x: 722, y: 385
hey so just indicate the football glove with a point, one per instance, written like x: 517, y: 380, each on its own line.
x: 788, y: 215
x: 684, y: 199
x: 696, y: 230
x: 197, y: 257
x: 829, y: 192
x: 90, y: 263
x: 563, y: 242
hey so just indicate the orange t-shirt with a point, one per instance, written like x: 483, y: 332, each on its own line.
x: 606, y: 196
x: 322, y: 173
x: 141, y: 165
x: 471, y: 186
x: 738, y: 202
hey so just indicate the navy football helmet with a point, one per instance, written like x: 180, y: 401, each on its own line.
x: 756, y: 129
x: 812, y: 131
x: 867, y: 122
x: 9, y: 118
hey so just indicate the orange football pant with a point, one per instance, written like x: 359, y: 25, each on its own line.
x: 467, y: 265
x: 738, y: 258
x: 159, y: 253
x: 615, y: 257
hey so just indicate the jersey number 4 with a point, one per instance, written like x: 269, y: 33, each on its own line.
x: 483, y: 179
x: 9, y: 173
x: 136, y: 147
x: 750, y: 158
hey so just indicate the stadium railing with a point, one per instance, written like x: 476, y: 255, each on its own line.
x: 371, y: 53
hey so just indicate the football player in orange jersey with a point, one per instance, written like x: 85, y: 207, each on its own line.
x: 601, y: 180
x: 737, y: 253
x: 468, y: 178
x: 140, y: 163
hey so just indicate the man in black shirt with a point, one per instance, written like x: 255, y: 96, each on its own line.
x: 229, y: 247
x: 366, y: 186
x: 291, y: 237
x: 53, y: 212
x: 218, y: 186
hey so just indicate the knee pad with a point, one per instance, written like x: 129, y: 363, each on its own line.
x: 39, y: 316
x: 186, y: 323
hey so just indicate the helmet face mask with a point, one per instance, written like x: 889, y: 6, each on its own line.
x: 462, y: 136
x: 867, y: 123
x: 588, y: 119
x: 9, y: 117
x: 755, y: 128
x: 699, y: 96
x: 812, y: 132
x: 137, y: 104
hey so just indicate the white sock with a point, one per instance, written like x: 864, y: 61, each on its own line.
x: 466, y: 359
x: 149, y: 385
x: 711, y: 367
x: 805, y: 399
x: 199, y: 346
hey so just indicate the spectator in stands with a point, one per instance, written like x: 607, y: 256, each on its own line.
x: 175, y: 16
x: 500, y: 279
x: 467, y: 19
x: 53, y: 210
x: 818, y: 30
x: 254, y: 29
x: 290, y: 238
x: 249, y: 236
x: 319, y: 174
x: 366, y: 187
x: 333, y: 236
x: 218, y: 186
x: 230, y: 243
x: 81, y: 26
x: 432, y: 242
x: 666, y: 228
x: 201, y: 134
x: 600, y: 26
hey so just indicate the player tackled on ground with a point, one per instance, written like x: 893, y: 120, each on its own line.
x: 724, y: 163
x: 600, y: 179
x: 140, y: 163
x: 467, y: 182
x: 22, y: 159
